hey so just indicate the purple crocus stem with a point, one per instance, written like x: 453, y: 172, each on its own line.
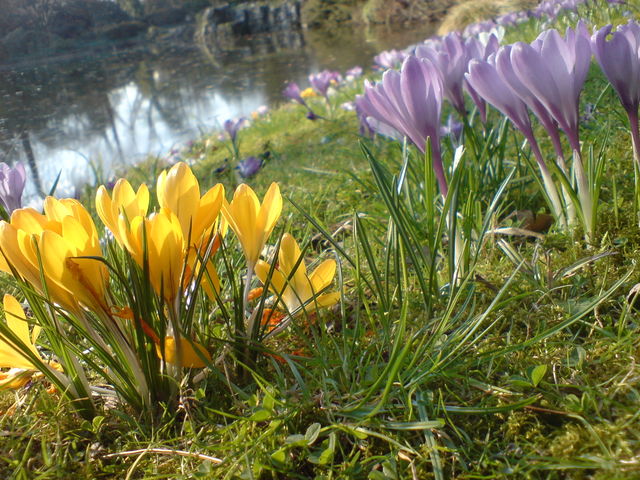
x: 585, y: 194
x: 232, y: 127
x: 438, y: 169
x: 547, y: 179
x: 635, y: 135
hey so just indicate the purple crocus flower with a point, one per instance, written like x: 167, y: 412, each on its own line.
x: 353, y: 73
x: 292, y: 92
x: 389, y: 58
x: 487, y: 82
x: 233, y: 126
x: 554, y: 69
x: 619, y: 59
x: 312, y: 116
x: 479, y: 27
x: 323, y: 80
x: 249, y: 166
x: 453, y: 129
x: 479, y: 50
x: 484, y: 78
x: 451, y: 60
x: 512, y: 18
x: 365, y: 129
x: 12, y: 182
x: 505, y: 69
x: 410, y: 102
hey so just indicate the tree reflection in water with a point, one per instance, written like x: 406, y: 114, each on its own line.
x: 83, y: 117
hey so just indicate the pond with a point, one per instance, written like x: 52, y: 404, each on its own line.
x: 84, y: 116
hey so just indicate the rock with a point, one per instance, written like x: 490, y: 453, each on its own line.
x: 167, y: 17
x: 109, y: 13
x: 22, y: 42
x: 123, y: 30
x: 72, y: 20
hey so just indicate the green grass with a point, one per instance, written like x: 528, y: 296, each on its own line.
x: 527, y: 369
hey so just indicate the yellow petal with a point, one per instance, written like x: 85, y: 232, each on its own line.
x: 16, y: 319
x: 131, y: 234
x: 31, y: 221
x: 192, y: 353
x: 328, y: 299
x: 19, y: 251
x: 15, y: 378
x: 105, y: 209
x: 288, y: 257
x: 55, y: 210
x: 165, y: 253
x: 62, y: 285
x: 278, y: 280
x: 128, y: 202
x: 207, y: 213
x: 178, y: 190
x: 10, y: 356
x: 322, y: 276
x: 244, y: 209
x: 125, y: 203
x: 269, y: 211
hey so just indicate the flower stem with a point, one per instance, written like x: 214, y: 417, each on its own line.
x: 549, y: 185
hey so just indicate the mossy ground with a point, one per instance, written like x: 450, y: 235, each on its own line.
x: 516, y: 403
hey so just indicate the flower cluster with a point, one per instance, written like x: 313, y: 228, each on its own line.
x: 131, y: 298
x: 544, y: 77
x: 322, y: 85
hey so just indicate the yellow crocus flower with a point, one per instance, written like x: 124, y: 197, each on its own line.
x: 164, y: 249
x: 308, y: 93
x: 251, y: 221
x: 10, y: 355
x: 177, y: 233
x: 295, y: 287
x: 123, y: 201
x: 55, y: 241
x: 178, y: 190
x: 14, y: 357
x: 189, y: 358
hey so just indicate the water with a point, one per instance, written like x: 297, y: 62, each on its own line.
x: 83, y: 117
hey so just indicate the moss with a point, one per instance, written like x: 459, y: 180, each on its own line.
x: 322, y: 13
x: 471, y: 11
x: 398, y: 11
x: 319, y: 13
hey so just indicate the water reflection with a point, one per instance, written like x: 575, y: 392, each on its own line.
x: 83, y: 117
